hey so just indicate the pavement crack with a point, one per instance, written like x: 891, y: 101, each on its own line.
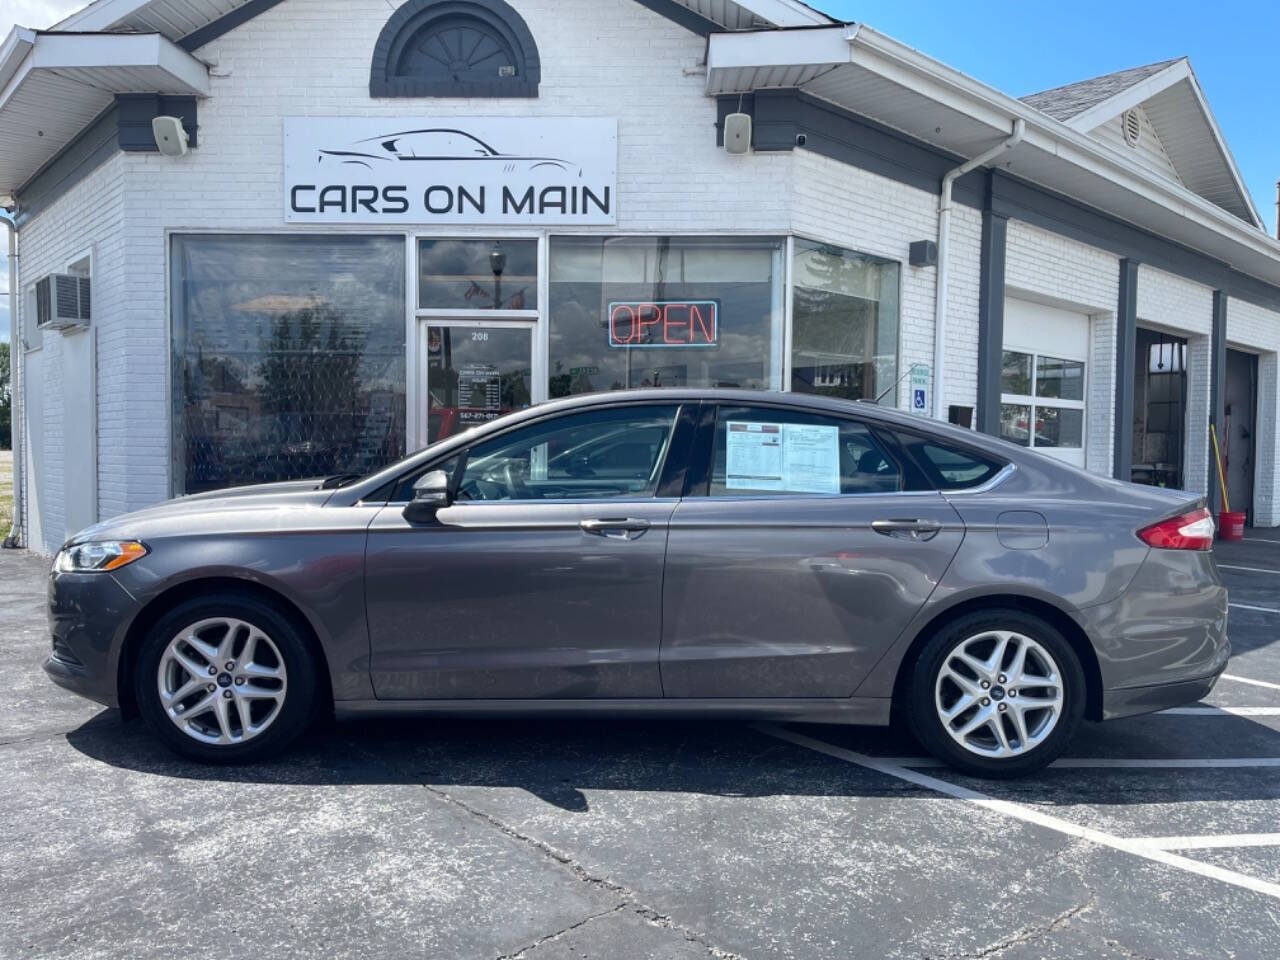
x: 51, y: 734
x: 1033, y: 932
x: 629, y: 897
x: 523, y: 951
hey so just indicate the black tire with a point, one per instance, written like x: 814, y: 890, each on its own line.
x: 922, y: 712
x: 294, y: 714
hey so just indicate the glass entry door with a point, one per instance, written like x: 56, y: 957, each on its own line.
x: 475, y: 372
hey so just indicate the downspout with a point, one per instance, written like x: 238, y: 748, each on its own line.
x: 16, y: 412
x: 944, y: 232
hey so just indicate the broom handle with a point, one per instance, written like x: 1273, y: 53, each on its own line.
x: 1217, y: 457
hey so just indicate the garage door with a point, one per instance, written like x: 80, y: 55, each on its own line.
x: 1044, y: 379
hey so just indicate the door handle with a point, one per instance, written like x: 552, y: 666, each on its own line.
x: 615, y: 528
x: 907, y: 529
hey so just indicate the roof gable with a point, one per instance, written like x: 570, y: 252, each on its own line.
x: 1174, y: 114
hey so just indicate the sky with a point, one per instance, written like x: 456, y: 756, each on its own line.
x: 1022, y: 47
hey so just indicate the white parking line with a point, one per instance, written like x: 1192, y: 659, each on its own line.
x: 1250, y: 680
x: 1249, y: 606
x: 1120, y: 763
x: 1219, y: 712
x: 1026, y: 814
x: 1210, y: 842
x: 1232, y: 566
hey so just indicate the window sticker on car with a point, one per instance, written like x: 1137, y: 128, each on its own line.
x: 796, y: 457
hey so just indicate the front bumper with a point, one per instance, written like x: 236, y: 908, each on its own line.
x: 89, y: 614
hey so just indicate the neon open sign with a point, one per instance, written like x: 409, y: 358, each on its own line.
x: 664, y: 323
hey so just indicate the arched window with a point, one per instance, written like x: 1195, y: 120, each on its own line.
x: 455, y: 48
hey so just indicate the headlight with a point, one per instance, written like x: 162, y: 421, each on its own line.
x: 99, y: 556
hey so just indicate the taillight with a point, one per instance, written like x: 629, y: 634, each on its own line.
x: 1191, y: 531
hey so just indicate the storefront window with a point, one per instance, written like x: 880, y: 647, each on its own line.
x: 483, y: 274
x: 1043, y: 400
x: 844, y: 341
x: 664, y: 312
x: 288, y: 357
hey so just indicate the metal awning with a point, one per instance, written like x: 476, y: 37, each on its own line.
x: 53, y: 84
x: 870, y: 74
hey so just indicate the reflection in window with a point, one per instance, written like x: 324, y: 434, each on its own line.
x: 668, y: 282
x: 607, y: 453
x: 1043, y: 400
x: 288, y: 357
x: 475, y: 375
x: 1061, y: 379
x: 456, y: 274
x: 1015, y: 373
x: 1015, y: 423
x: 844, y: 322
x: 1059, y: 427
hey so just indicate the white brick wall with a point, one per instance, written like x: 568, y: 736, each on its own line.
x: 873, y: 214
x: 1185, y: 308
x: 1067, y: 273
x: 1258, y: 330
x: 87, y: 217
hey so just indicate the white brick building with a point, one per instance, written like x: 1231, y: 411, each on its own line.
x: 1110, y: 289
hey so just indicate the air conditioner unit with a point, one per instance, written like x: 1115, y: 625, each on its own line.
x: 62, y: 301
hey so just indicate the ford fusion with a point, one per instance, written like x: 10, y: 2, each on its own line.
x: 696, y: 552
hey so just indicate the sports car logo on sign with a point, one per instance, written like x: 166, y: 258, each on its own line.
x: 438, y: 144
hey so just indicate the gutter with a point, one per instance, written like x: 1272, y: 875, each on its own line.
x: 911, y: 68
x: 16, y: 407
x: 944, y: 234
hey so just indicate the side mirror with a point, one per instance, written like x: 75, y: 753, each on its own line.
x: 430, y: 493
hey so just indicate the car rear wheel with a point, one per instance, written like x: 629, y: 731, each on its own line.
x: 225, y: 679
x: 998, y: 693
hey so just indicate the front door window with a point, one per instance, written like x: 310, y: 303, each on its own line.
x: 611, y: 453
x: 475, y: 373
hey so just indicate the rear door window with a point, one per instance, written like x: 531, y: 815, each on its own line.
x: 946, y: 465
x: 767, y: 451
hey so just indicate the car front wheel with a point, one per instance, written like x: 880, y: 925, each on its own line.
x: 997, y: 694
x: 225, y: 679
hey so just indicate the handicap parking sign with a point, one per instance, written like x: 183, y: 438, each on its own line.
x: 920, y: 388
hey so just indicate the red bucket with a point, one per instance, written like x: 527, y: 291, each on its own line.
x: 1231, y: 525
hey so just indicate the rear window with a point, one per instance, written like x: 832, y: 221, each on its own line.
x: 949, y: 466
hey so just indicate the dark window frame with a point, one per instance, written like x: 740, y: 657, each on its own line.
x: 417, y: 16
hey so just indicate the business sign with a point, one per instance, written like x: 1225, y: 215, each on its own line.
x: 451, y: 170
x: 664, y: 323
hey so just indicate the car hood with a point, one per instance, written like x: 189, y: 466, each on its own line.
x: 201, y: 512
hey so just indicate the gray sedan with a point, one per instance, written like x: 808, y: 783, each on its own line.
x: 710, y: 552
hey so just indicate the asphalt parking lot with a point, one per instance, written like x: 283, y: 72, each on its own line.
x: 1158, y: 836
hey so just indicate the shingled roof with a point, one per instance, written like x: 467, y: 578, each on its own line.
x: 1063, y: 103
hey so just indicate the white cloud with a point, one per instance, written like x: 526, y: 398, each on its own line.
x: 37, y: 14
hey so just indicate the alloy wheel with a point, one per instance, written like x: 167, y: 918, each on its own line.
x: 222, y: 681
x: 999, y: 694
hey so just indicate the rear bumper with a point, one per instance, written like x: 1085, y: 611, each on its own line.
x: 1131, y: 701
x: 1164, y: 640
